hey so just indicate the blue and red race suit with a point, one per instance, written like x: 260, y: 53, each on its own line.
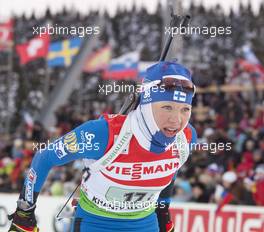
x: 120, y: 197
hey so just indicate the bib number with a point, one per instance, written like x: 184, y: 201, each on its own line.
x: 137, y: 197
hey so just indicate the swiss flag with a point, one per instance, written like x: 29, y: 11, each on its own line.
x: 35, y: 48
x: 6, y: 34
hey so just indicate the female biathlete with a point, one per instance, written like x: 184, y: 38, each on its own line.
x: 128, y: 159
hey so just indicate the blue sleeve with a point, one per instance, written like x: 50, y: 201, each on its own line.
x: 89, y: 140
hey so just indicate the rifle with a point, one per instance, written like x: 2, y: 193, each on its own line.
x: 132, y: 100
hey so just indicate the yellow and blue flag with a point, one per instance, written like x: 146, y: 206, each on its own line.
x: 63, y: 52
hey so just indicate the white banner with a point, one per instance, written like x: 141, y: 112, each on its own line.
x: 47, y: 209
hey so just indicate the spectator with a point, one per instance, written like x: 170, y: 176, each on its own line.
x: 182, y: 191
x: 259, y: 185
x: 199, y: 193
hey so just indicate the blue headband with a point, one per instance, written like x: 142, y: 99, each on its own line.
x: 156, y: 73
x: 159, y: 94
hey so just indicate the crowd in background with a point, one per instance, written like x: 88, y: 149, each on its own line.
x: 236, y: 118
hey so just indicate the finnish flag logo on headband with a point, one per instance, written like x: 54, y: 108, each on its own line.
x: 179, y: 96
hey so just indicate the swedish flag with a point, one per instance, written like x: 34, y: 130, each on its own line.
x: 63, y: 52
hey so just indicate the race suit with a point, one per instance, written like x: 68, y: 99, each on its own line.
x: 121, y: 197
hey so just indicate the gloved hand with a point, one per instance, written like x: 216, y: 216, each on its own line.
x: 23, y: 219
x: 163, y: 214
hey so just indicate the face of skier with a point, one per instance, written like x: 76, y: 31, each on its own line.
x: 171, y: 117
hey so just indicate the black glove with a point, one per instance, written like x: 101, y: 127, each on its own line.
x: 23, y: 220
x: 163, y: 214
